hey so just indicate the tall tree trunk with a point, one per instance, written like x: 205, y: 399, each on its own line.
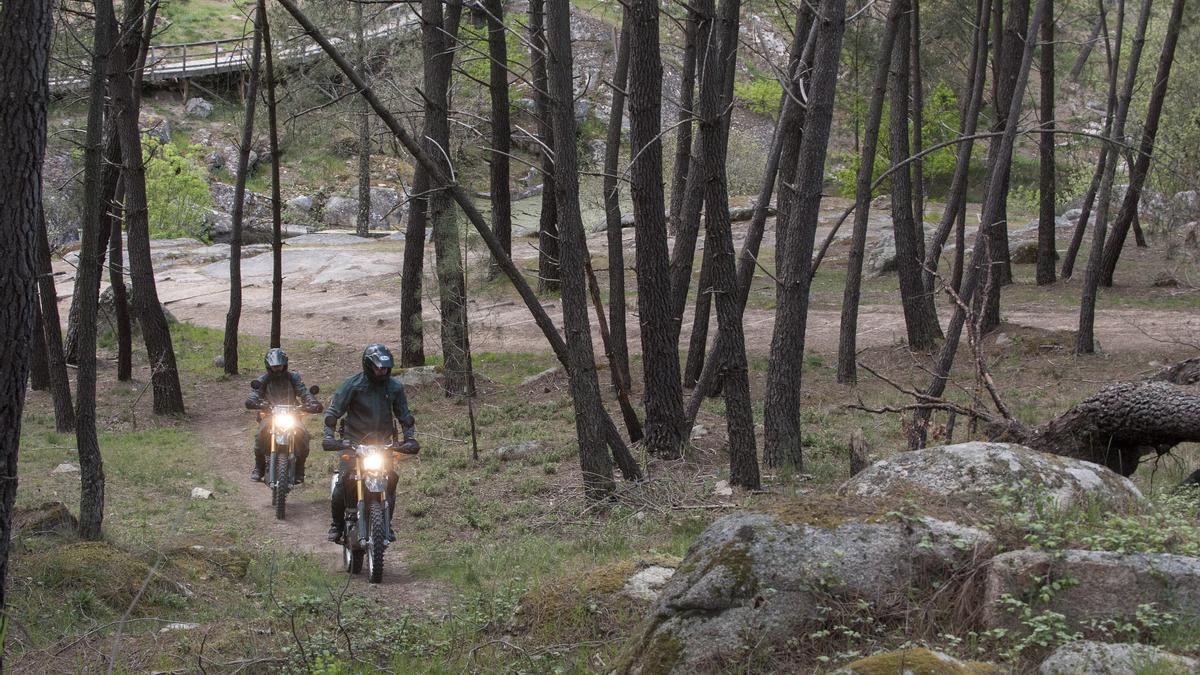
x: 585, y: 390
x: 920, y: 319
x: 918, y: 129
x: 168, y: 395
x: 1046, y: 252
x: 1085, y: 344
x: 782, y: 442
x: 997, y: 164
x: 848, y: 334
x: 363, y: 219
x: 276, y: 199
x: 789, y: 153
x: 702, y: 314
x: 1085, y: 211
x: 712, y: 36
x: 116, y: 280
x: 39, y: 364
x: 683, y: 120
x: 620, y: 381
x: 234, y: 316
x: 1129, y: 206
x: 1015, y: 30
x: 629, y: 467
x: 501, y: 129
x: 60, y: 383
x: 412, y: 331
x: 439, y: 30
x: 1085, y: 50
x: 87, y: 281
x: 660, y: 353
x: 956, y: 199
x: 548, y: 220
x: 612, y: 213
x: 25, y: 33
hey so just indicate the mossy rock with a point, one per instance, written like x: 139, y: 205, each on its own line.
x: 115, y: 576
x: 916, y: 662
x: 580, y: 606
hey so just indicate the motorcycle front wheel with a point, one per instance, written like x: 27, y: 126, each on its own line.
x: 283, y: 482
x: 376, y: 543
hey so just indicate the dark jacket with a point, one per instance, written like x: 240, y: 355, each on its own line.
x: 285, y: 388
x: 369, y: 408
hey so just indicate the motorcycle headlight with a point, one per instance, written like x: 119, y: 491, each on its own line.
x: 373, y: 461
x: 284, y: 422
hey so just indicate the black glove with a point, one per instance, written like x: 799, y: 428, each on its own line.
x: 410, y: 446
x: 313, y: 408
x: 331, y: 444
x: 252, y: 403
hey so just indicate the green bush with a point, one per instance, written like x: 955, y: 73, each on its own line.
x: 761, y: 96
x: 176, y: 191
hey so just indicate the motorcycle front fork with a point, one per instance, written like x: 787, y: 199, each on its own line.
x: 363, y: 525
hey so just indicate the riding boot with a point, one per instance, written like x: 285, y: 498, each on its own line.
x: 391, y: 535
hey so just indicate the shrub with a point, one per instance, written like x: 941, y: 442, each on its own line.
x: 177, y: 193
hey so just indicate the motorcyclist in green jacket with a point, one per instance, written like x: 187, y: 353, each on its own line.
x: 278, y: 386
x: 371, y: 402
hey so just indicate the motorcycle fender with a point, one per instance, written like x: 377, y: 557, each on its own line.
x: 377, y: 484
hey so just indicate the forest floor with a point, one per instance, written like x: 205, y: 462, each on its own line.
x: 499, y: 562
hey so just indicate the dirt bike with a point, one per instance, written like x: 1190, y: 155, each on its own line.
x: 286, y: 421
x: 365, y: 526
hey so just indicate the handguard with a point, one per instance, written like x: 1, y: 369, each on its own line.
x: 410, y: 446
x: 332, y: 444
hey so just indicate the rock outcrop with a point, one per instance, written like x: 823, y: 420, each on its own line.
x: 1101, y: 658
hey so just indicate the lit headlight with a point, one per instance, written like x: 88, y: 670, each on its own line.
x: 373, y: 461
x: 284, y: 422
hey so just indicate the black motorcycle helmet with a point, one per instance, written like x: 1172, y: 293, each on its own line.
x: 276, y: 361
x: 377, y: 362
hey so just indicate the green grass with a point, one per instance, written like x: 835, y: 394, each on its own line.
x: 197, y: 20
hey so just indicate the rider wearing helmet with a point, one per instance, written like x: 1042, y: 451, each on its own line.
x: 278, y: 386
x: 371, y: 402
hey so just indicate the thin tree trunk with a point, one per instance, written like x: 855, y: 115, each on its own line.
x: 363, y: 219
x: 168, y: 395
x: 1015, y: 30
x: 585, y: 390
x: 789, y: 153
x: 1085, y: 49
x: 1085, y: 336
x: 501, y: 130
x: 956, y: 199
x: 997, y: 164
x: 1046, y: 252
x: 25, y: 37
x: 1085, y: 211
x: 918, y: 129
x: 1139, y: 168
x: 663, y: 397
x: 628, y: 465
x: 612, y: 213
x: 685, y: 116
x: 782, y: 442
x: 39, y: 364
x: 276, y: 199
x: 60, y: 383
x: 87, y: 281
x: 620, y: 382
x: 108, y: 186
x: 234, y: 316
x: 920, y: 319
x: 548, y: 236
x: 848, y: 334
x: 412, y: 331
x: 116, y: 280
x: 698, y: 342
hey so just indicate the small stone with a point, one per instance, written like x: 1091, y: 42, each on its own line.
x: 722, y: 489
x: 201, y: 493
x: 218, y: 362
x: 534, y: 378
x: 178, y: 625
x: 648, y: 583
x: 65, y: 467
x: 521, y: 450
x: 1002, y: 340
x: 198, y: 107
x: 419, y: 375
x: 699, y: 431
x: 301, y: 204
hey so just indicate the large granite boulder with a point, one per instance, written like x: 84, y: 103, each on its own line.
x: 1102, y: 658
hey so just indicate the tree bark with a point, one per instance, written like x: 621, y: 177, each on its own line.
x: 87, y: 281
x: 1015, y: 29
x: 39, y: 364
x: 1141, y: 166
x: 548, y: 235
x: 782, y: 441
x: 1085, y: 49
x: 619, y: 359
x: 920, y: 319
x: 918, y: 130
x: 585, y: 390
x: 412, y: 331
x: 997, y: 164
x: 848, y: 333
x: 501, y: 130
x: 234, y: 316
x: 683, y: 120
x: 116, y: 280
x: 25, y: 35
x: 702, y: 313
x: 956, y: 199
x: 620, y: 381
x: 168, y: 395
x: 1089, y: 199
x: 1046, y: 252
x: 276, y: 199
x: 663, y: 397
x: 60, y: 383
x: 363, y: 217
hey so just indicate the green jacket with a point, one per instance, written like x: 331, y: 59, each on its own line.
x: 285, y: 388
x: 369, y: 408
